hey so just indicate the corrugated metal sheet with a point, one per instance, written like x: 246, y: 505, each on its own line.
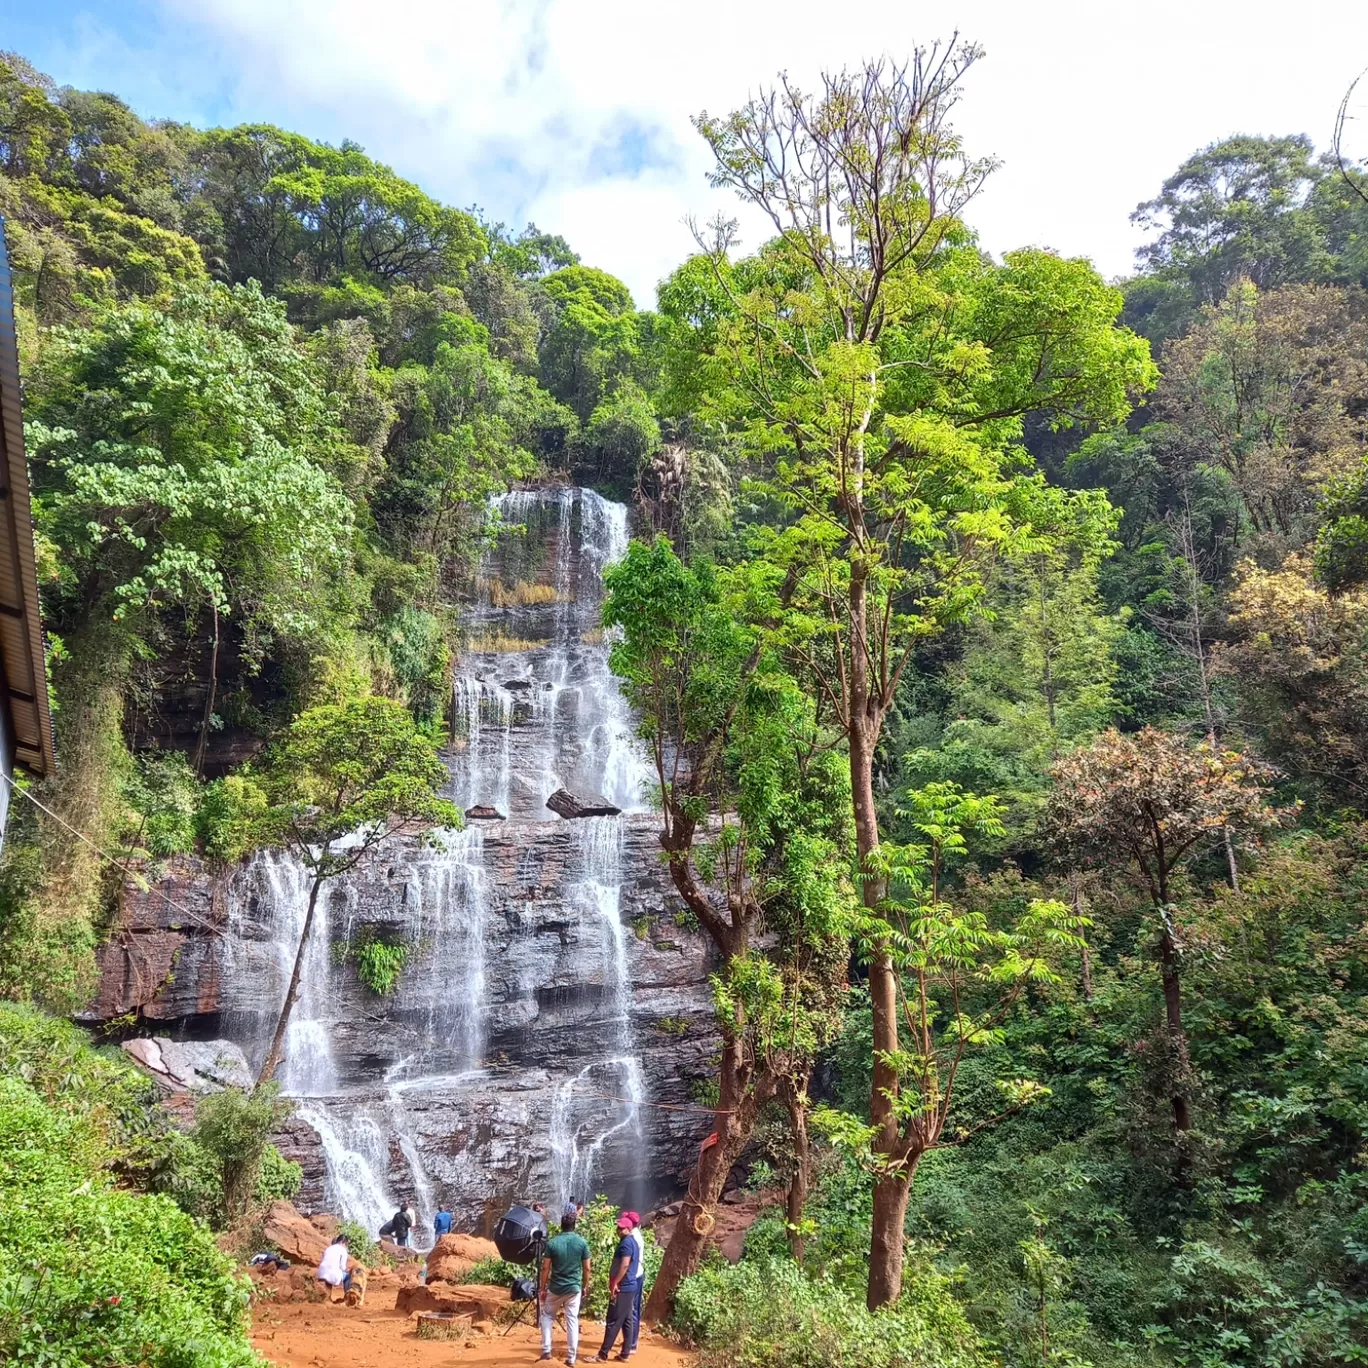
x: 21, y: 627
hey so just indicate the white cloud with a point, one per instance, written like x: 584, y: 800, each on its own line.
x: 542, y: 108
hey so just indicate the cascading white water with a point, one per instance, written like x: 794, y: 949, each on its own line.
x: 535, y: 708
x: 605, y: 1097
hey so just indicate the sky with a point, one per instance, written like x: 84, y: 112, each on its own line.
x: 575, y: 114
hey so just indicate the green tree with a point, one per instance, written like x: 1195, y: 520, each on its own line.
x: 1038, y: 673
x: 751, y: 835
x: 1151, y: 801
x: 234, y: 1128
x: 592, y: 339
x: 464, y: 431
x: 359, y: 770
x: 881, y: 365
x: 1237, y: 209
x: 178, y: 461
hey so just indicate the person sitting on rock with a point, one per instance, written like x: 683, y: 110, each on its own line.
x: 334, y: 1268
x: 441, y: 1222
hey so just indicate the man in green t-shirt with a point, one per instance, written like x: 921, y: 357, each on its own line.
x: 564, y: 1280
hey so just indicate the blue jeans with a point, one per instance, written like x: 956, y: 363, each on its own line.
x: 634, y: 1325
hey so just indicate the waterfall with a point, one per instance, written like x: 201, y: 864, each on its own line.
x: 506, y: 1064
x: 604, y: 1099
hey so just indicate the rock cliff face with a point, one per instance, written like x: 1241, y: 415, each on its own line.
x: 551, y: 989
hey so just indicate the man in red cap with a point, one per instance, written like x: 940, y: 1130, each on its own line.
x: 624, y: 1288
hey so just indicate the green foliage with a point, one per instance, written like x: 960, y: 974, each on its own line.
x: 279, y: 1179
x: 92, y: 1273
x: 598, y: 1226
x: 773, y: 1315
x: 378, y: 961
x: 92, y: 1270
x: 360, y: 1241
x: 493, y: 1273
x: 112, y: 1099
x: 164, y: 796
x: 360, y: 766
x: 230, y: 817
x: 418, y: 654
x: 232, y: 1127
x: 1238, y: 208
x: 178, y: 459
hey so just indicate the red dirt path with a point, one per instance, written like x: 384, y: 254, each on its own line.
x: 329, y: 1335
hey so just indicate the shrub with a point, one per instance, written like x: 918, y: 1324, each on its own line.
x: 229, y: 817
x: 773, y: 1315
x: 379, y: 960
x: 58, y: 1062
x: 598, y: 1225
x: 92, y: 1274
x: 278, y: 1179
x: 164, y: 795
x: 362, y: 1244
x: 379, y: 964
x: 496, y: 1273
x: 232, y: 1127
x: 420, y: 659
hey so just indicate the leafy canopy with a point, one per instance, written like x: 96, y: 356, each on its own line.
x: 360, y: 770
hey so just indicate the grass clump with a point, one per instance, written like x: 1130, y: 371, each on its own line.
x: 521, y: 594
x: 378, y: 959
x: 499, y: 642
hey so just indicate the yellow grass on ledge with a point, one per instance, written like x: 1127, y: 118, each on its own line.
x: 519, y: 595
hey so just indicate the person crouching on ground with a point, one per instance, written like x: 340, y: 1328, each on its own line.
x: 334, y: 1268
x: 624, y: 1277
x: 564, y: 1281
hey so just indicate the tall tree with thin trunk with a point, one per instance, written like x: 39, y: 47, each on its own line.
x: 877, y: 365
x: 1151, y: 801
x: 344, y: 779
x: 752, y: 813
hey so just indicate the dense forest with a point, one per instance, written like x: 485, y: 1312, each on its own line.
x: 1000, y: 636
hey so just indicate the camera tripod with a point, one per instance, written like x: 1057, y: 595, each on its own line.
x: 538, y: 1242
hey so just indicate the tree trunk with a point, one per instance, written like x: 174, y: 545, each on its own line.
x: 886, y: 1249
x: 272, y: 1060
x: 1177, y: 1037
x: 684, y: 1253
x: 885, y: 1269
x: 208, y: 700
x: 796, y: 1198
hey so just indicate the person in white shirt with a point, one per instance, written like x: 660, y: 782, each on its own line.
x: 334, y: 1268
x: 634, y: 1327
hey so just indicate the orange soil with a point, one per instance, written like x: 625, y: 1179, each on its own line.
x: 329, y: 1335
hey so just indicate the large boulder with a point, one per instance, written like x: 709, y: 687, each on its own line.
x: 191, y: 1066
x: 567, y: 804
x: 453, y: 1256
x: 480, y: 1303
x: 294, y: 1235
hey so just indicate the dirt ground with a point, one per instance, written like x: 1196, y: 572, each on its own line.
x: 329, y: 1335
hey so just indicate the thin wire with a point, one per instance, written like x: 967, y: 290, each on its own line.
x: 121, y: 865
x: 661, y: 1106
